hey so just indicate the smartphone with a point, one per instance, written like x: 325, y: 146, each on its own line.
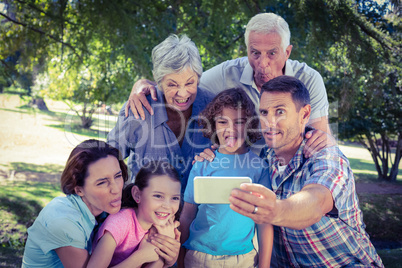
x: 216, y: 190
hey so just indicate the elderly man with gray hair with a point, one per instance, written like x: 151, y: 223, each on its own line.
x: 267, y: 39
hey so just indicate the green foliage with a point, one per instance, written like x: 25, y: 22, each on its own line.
x: 89, y: 52
x: 356, y: 47
x: 119, y: 31
x: 371, y: 95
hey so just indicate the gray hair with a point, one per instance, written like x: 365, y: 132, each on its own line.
x: 266, y: 23
x: 173, y: 55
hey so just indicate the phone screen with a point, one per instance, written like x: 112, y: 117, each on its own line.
x: 216, y: 190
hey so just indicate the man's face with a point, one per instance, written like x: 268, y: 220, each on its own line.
x: 281, y: 124
x: 266, y: 56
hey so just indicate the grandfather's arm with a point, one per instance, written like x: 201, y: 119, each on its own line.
x: 321, y: 123
x: 319, y: 138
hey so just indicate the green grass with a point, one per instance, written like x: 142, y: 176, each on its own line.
x: 71, y: 123
x: 76, y: 129
x: 20, y: 203
x: 391, y: 258
x: 360, y: 166
x: 10, y: 257
x: 364, y: 170
x: 382, y: 214
x: 67, y: 120
x: 45, y: 168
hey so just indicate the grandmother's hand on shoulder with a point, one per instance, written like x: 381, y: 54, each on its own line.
x: 138, y: 99
x: 208, y: 154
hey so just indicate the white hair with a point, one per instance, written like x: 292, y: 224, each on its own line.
x: 267, y: 23
x: 173, y: 55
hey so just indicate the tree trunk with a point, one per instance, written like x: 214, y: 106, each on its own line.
x: 382, y: 153
x: 86, y: 122
x: 375, y: 155
x: 86, y: 117
x: 40, y: 104
x: 398, y: 153
x: 386, y: 152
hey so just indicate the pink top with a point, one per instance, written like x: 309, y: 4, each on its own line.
x: 126, y: 231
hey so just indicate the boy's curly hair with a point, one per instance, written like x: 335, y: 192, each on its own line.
x: 234, y: 98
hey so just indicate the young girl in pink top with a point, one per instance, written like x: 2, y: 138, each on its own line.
x: 151, y: 204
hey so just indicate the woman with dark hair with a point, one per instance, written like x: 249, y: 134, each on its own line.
x: 92, y: 180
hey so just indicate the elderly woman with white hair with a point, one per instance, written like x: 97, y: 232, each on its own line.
x: 172, y: 133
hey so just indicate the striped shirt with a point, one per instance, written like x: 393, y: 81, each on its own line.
x: 339, y: 239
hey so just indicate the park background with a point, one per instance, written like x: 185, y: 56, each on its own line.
x: 68, y: 66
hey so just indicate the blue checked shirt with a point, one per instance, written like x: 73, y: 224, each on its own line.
x: 152, y: 139
x: 339, y: 239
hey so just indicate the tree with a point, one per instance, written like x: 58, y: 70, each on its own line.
x: 100, y: 47
x: 366, y: 73
x: 85, y: 85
